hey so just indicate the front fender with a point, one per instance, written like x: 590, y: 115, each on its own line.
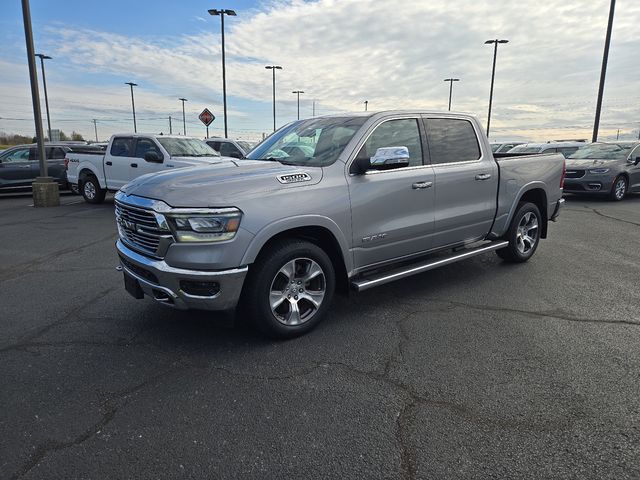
x: 282, y: 225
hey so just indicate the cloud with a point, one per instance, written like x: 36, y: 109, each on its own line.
x: 395, y: 55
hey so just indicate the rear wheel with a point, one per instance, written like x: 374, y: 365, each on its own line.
x: 619, y: 189
x: 91, y: 191
x: 289, y: 289
x: 523, y: 234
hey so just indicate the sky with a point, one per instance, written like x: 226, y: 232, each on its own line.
x: 340, y: 53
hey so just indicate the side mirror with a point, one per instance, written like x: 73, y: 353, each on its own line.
x: 152, y: 157
x: 390, y: 157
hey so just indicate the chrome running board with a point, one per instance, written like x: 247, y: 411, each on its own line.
x: 424, y: 266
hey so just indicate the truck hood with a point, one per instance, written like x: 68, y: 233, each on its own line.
x: 222, y: 184
x: 589, y: 163
x: 195, y: 161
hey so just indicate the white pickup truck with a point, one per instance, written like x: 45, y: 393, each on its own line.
x: 129, y: 156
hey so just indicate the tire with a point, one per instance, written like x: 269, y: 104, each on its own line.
x: 297, y: 307
x: 90, y: 190
x: 523, y: 234
x: 619, y: 188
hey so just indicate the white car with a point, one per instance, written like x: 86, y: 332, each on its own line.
x: 565, y: 148
x: 228, y: 147
x: 129, y: 156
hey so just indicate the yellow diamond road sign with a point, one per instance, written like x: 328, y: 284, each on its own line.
x: 206, y: 117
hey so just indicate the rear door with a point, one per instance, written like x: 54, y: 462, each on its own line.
x: 15, y: 168
x: 466, y: 181
x: 55, y: 164
x: 119, y: 161
x: 392, y: 210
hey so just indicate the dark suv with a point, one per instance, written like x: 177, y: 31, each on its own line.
x: 19, y: 165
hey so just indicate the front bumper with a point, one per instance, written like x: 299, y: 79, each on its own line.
x: 590, y: 183
x: 167, y: 284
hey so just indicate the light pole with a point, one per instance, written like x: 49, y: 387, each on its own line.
x: 222, y: 13
x: 95, y: 127
x: 184, y: 122
x: 603, y: 72
x: 298, y: 92
x: 493, y: 75
x: 273, y: 69
x: 366, y: 105
x: 170, y: 127
x: 451, y: 80
x: 133, y: 105
x: 44, y: 84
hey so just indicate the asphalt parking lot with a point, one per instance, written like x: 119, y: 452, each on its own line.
x: 479, y: 369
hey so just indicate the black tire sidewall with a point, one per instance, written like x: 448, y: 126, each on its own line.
x: 512, y: 251
x: 613, y: 188
x: 100, y: 194
x: 262, y: 273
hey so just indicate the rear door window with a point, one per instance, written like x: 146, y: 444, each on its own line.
x: 451, y: 140
x: 122, y: 147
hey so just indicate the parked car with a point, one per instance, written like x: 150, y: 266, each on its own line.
x: 276, y: 235
x: 19, y: 165
x: 503, y: 147
x: 129, y: 156
x: 228, y: 147
x: 601, y: 168
x: 565, y: 148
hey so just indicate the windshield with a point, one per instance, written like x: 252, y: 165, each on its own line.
x: 311, y: 143
x: 495, y: 146
x: 602, y: 151
x: 187, y: 147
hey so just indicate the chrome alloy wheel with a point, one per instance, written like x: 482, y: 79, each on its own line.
x: 297, y: 291
x: 89, y: 190
x: 527, y: 233
x: 620, y: 188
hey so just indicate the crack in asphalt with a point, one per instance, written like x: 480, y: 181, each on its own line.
x: 598, y: 212
x: 28, y: 338
x: 111, y: 406
x: 16, y: 271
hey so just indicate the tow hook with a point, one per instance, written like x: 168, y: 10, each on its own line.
x: 119, y: 268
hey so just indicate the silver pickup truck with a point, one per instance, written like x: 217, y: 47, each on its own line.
x: 331, y: 203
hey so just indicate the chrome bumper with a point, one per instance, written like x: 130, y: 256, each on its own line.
x: 556, y: 212
x: 163, y: 282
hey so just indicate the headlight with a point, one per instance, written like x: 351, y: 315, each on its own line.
x: 201, y: 226
x: 599, y: 171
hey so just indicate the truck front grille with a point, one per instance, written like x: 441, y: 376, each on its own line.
x: 139, y: 229
x: 573, y: 173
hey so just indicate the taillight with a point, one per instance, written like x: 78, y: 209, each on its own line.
x: 564, y: 172
x: 66, y: 163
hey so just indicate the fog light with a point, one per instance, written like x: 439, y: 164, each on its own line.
x: 200, y: 289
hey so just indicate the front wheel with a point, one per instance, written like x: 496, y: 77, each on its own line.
x: 619, y: 189
x: 91, y: 191
x: 289, y: 289
x: 523, y: 234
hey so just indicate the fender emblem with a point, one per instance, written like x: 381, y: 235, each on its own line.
x: 294, y: 178
x: 372, y: 238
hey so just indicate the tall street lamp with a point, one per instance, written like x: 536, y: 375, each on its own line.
x: 603, y: 72
x: 184, y: 122
x: 133, y: 105
x: 451, y: 80
x: 44, y: 84
x: 298, y: 92
x: 366, y: 105
x: 222, y: 13
x: 273, y: 69
x: 493, y: 75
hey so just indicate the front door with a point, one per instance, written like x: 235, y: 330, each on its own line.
x: 634, y: 171
x: 392, y: 211
x: 466, y: 182
x: 144, y: 145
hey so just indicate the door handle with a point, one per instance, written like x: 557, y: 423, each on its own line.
x: 134, y: 165
x: 109, y: 163
x: 24, y: 166
x: 421, y: 185
x: 483, y: 176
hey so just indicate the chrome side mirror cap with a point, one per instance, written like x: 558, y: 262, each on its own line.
x: 390, y: 157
